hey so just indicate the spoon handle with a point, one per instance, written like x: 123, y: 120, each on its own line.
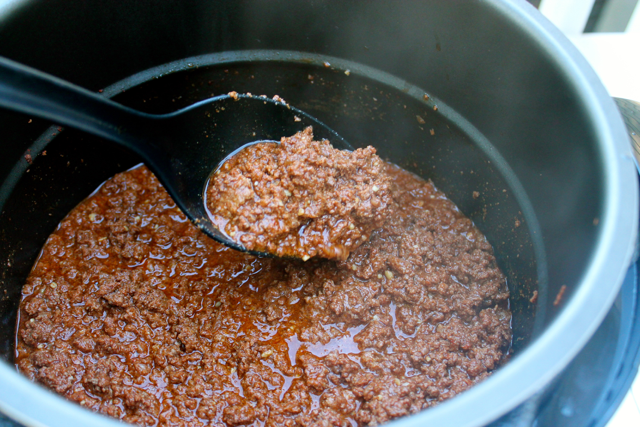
x: 33, y: 92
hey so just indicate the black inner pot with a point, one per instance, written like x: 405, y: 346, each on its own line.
x: 490, y: 68
x: 365, y: 110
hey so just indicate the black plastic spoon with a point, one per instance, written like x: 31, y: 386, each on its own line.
x: 182, y: 148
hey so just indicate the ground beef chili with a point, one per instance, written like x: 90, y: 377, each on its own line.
x: 132, y: 312
x: 300, y: 198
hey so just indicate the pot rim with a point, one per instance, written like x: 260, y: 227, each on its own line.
x: 545, y: 357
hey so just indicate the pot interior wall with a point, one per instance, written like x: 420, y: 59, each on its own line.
x: 363, y: 110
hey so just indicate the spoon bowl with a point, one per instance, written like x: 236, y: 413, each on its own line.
x: 182, y: 148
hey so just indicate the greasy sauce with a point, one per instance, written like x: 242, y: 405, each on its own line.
x: 132, y: 312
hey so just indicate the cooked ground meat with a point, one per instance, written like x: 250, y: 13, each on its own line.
x: 300, y: 198
x: 134, y: 313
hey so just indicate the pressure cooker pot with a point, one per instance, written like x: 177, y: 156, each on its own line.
x: 484, y: 98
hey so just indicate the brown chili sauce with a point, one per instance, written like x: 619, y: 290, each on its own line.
x: 300, y: 198
x: 134, y: 313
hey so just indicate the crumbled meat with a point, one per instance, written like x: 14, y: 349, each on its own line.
x: 134, y: 313
x: 300, y: 198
